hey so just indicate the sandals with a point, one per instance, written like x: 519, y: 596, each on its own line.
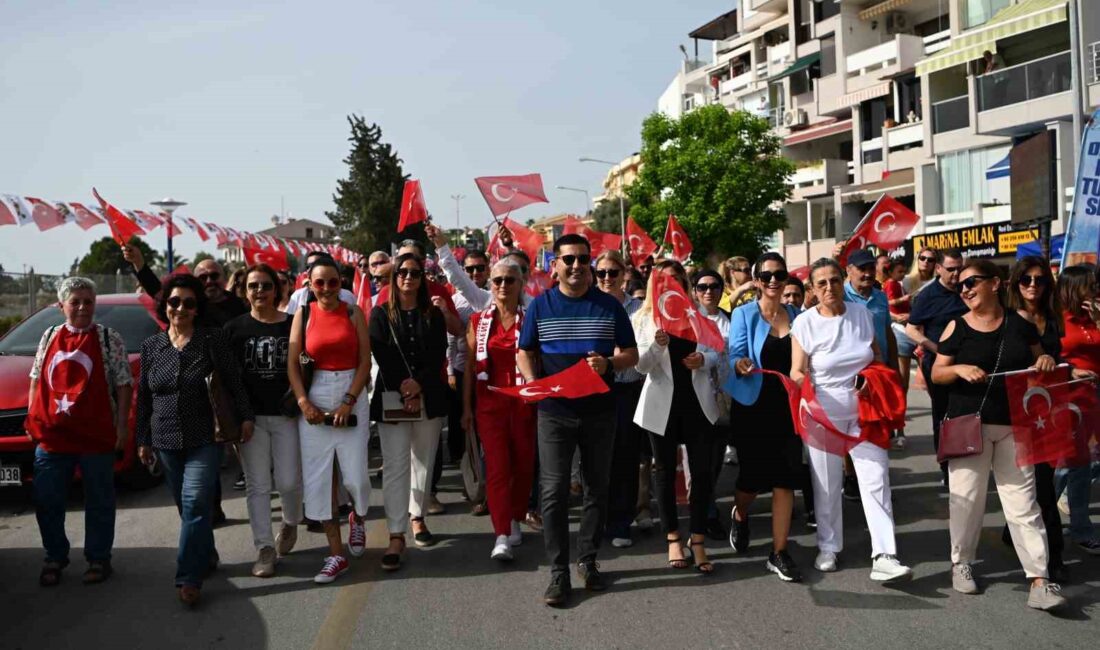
x: 97, y: 572
x: 681, y: 563
x: 51, y: 573
x: 392, y: 561
x: 706, y: 567
x: 422, y: 538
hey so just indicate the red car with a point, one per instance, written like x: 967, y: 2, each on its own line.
x: 123, y: 313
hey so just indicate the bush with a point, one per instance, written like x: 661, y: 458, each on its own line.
x: 8, y: 322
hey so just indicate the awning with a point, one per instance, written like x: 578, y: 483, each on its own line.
x: 718, y: 29
x: 860, y: 96
x: 899, y: 183
x: 781, y: 21
x: 999, y: 169
x: 819, y: 131
x: 798, y: 66
x: 881, y: 8
x: 1010, y: 21
x: 1057, y: 243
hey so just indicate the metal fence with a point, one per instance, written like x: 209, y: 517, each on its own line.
x: 21, y: 294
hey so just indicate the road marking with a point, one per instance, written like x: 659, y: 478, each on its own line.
x: 338, y: 629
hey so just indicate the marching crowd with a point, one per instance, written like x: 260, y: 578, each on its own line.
x: 300, y: 373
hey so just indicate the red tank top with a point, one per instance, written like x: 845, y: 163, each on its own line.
x: 501, y: 349
x: 331, y: 339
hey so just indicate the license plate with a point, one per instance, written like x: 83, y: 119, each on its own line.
x: 11, y: 475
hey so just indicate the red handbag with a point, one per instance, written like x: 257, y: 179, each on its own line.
x: 961, y: 435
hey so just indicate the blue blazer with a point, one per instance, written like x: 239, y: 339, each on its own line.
x: 748, y: 331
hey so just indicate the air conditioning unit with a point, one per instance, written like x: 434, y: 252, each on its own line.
x: 794, y: 117
x: 896, y: 23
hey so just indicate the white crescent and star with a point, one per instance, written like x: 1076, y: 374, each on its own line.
x: 637, y: 248
x: 494, y: 190
x: 803, y: 411
x: 62, y: 356
x: 1033, y: 391
x: 878, y: 222
x: 63, y: 405
x: 662, y: 299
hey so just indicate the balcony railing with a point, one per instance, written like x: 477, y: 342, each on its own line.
x: 775, y: 116
x: 776, y: 53
x: 951, y: 114
x: 1093, y: 63
x: 736, y: 83
x: 935, y: 42
x: 904, y: 135
x: 875, y: 57
x: 1020, y: 83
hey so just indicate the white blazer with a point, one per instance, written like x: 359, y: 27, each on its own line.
x: 655, y: 405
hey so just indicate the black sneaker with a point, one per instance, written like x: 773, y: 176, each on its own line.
x: 239, y: 484
x: 559, y: 590
x: 851, y: 488
x: 739, y: 533
x: 783, y: 566
x: 589, y: 573
x: 811, y: 520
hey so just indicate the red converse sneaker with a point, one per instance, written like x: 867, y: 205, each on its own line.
x: 335, y: 566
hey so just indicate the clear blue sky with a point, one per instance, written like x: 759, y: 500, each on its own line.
x: 231, y: 106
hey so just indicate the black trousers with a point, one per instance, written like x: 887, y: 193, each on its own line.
x: 456, y: 436
x: 559, y: 436
x: 689, y: 427
x: 1048, y: 506
x: 623, y: 485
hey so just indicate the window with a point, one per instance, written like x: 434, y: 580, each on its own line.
x: 309, y: 233
x: 871, y: 116
x: 978, y: 12
x: 825, y: 9
x: 828, y: 56
x: 963, y: 179
x: 909, y: 95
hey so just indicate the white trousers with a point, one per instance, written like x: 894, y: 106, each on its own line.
x: 408, y: 456
x: 273, y: 450
x: 872, y: 469
x: 321, y: 444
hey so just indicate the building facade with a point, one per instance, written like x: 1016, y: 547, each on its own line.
x: 300, y: 230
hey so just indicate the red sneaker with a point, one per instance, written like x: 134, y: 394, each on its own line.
x: 357, y: 536
x: 335, y: 566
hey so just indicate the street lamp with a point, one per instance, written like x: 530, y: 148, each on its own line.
x: 587, y: 201
x: 169, y: 205
x: 458, y: 199
x: 622, y: 209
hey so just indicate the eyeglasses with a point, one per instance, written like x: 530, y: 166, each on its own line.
x: 508, y: 280
x: 412, y: 274
x: 190, y: 304
x: 607, y: 273
x: 704, y: 287
x: 742, y: 269
x: 973, y: 281
x: 821, y: 284
x: 321, y: 284
x: 207, y: 278
x: 952, y: 270
x: 1036, y: 280
x: 926, y: 258
x: 570, y: 260
x: 767, y: 276
x: 257, y: 287
x: 475, y: 268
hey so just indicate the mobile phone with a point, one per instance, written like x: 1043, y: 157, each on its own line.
x: 353, y: 420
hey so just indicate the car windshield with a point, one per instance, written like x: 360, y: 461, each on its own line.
x: 133, y: 322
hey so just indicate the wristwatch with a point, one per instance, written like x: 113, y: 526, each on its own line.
x: 349, y: 399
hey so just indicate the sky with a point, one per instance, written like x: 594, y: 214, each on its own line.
x: 240, y: 109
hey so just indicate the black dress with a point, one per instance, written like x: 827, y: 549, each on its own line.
x: 769, y: 450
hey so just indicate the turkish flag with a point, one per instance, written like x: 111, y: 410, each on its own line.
x: 170, y: 223
x: 525, y: 239
x: 576, y: 381
x: 275, y: 259
x: 196, y: 227
x: 887, y: 225
x: 537, y: 282
x: 597, y: 241
x: 641, y: 245
x: 1047, y: 411
x: 675, y: 313
x: 802, y: 273
x: 45, y: 215
x: 84, y: 217
x: 676, y: 237
x: 881, y: 405
x: 122, y: 227
x: 413, y: 209
x: 9, y: 214
x: 219, y: 233
x: 362, y: 290
x: 507, y: 193
x: 810, y: 420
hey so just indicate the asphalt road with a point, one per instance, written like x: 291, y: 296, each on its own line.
x: 453, y: 595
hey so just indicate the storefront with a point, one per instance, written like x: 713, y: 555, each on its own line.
x: 996, y: 241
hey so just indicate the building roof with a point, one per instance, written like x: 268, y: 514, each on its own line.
x: 718, y: 29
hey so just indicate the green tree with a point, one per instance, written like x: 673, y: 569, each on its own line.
x: 200, y: 256
x: 720, y: 173
x: 606, y: 216
x: 105, y: 256
x: 368, y: 201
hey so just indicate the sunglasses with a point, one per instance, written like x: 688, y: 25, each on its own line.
x: 207, y: 278
x: 260, y: 286
x: 475, y: 268
x: 704, y: 287
x: 321, y: 284
x: 378, y: 263
x: 926, y: 258
x: 412, y: 274
x: 507, y: 280
x: 607, y: 273
x: 1036, y: 280
x: 767, y: 276
x: 570, y: 260
x: 952, y: 270
x: 190, y: 304
x: 973, y: 281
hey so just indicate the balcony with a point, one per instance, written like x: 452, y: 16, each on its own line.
x: 816, y: 177
x: 1025, y: 82
x: 777, y: 54
x: 901, y: 53
x: 951, y: 114
x: 736, y: 83
x: 935, y: 42
x: 903, y: 135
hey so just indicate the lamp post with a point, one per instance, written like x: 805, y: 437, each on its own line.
x: 458, y: 200
x: 169, y: 205
x: 587, y: 201
x: 622, y: 209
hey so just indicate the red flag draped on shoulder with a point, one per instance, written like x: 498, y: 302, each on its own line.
x: 810, y: 420
x: 413, y: 209
x: 638, y: 241
x: 676, y: 237
x: 576, y: 381
x: 507, y: 193
x: 886, y: 225
x: 1050, y: 411
x: 276, y: 259
x: 675, y: 313
x: 597, y: 241
x: 122, y: 227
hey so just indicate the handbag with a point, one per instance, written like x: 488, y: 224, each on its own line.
x: 961, y: 436
x: 473, y: 480
x: 288, y: 405
x: 393, y: 405
x: 226, y: 427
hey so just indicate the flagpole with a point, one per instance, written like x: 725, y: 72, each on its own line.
x: 1024, y: 371
x: 169, y: 205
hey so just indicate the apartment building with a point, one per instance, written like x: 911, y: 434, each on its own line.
x: 924, y: 100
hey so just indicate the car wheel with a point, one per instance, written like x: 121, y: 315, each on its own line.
x: 140, y: 477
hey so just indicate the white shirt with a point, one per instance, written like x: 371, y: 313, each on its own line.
x: 298, y: 298
x: 838, y: 348
x: 478, y: 298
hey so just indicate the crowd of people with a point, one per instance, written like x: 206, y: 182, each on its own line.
x: 301, y: 372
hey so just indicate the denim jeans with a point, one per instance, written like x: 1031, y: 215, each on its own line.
x: 192, y: 476
x: 53, y: 473
x: 1075, y: 482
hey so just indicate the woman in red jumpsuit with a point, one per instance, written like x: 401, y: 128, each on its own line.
x: 505, y: 425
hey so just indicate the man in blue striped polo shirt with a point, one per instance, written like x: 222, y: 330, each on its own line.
x: 568, y: 323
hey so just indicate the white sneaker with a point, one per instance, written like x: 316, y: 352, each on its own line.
x: 886, y: 568
x: 1063, y: 505
x: 825, y: 562
x: 622, y: 542
x: 516, y: 538
x: 644, y: 521
x: 502, y: 550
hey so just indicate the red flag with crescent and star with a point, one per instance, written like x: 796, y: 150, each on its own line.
x: 122, y: 227
x: 45, y: 215
x: 413, y: 208
x: 597, y: 241
x: 1048, y: 411
x: 676, y: 237
x: 276, y: 259
x: 810, y: 420
x: 507, y: 193
x: 887, y: 225
x: 576, y: 381
x: 675, y: 313
x: 526, y: 239
x: 638, y: 242
x: 84, y: 217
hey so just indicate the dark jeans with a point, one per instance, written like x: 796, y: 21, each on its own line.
x: 53, y: 473
x: 1048, y: 505
x: 688, y: 427
x: 192, y: 476
x: 622, y: 488
x: 559, y: 436
x: 939, y: 395
x: 456, y: 437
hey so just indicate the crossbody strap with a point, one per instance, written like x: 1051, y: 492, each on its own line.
x: 996, y: 366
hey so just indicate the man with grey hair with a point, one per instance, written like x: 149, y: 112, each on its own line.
x: 80, y: 394
x: 379, y: 268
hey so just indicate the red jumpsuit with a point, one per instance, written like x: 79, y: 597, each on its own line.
x: 506, y: 427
